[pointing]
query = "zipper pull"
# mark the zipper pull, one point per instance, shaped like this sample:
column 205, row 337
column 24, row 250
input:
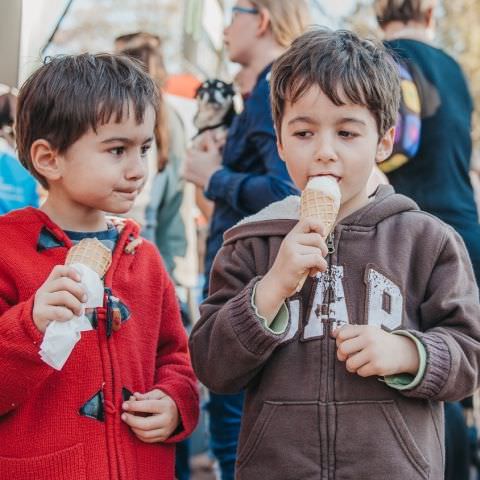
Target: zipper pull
column 331, row 243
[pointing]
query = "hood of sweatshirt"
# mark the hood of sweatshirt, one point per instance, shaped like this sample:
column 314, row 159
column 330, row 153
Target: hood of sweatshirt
column 279, row 217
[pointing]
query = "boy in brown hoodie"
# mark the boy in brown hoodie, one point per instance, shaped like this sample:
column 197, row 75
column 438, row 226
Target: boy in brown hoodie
column 344, row 379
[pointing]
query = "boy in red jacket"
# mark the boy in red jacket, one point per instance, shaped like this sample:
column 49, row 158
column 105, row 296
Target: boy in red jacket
column 126, row 393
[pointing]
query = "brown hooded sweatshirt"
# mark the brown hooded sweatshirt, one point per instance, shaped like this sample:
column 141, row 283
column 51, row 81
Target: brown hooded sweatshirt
column 305, row 416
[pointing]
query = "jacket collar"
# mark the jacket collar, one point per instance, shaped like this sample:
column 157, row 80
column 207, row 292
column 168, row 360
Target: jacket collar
column 279, row 218
column 52, row 236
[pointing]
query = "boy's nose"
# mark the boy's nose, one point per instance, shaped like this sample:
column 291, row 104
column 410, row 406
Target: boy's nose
column 325, row 152
column 137, row 168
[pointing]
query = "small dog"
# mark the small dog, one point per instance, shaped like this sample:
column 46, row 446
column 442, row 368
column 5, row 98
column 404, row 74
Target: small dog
column 216, row 109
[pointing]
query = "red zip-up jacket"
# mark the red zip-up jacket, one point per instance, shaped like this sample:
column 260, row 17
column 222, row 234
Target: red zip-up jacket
column 66, row 424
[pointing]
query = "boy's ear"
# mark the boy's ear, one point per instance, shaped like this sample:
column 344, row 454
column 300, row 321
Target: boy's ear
column 45, row 159
column 264, row 24
column 279, row 144
column 385, row 145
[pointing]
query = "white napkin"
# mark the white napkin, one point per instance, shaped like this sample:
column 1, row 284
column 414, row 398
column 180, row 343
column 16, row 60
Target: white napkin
column 61, row 337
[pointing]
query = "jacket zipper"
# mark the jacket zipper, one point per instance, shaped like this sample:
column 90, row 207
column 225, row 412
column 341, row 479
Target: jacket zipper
column 331, row 292
column 331, row 243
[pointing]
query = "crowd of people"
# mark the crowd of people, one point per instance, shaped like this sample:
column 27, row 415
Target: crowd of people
column 366, row 370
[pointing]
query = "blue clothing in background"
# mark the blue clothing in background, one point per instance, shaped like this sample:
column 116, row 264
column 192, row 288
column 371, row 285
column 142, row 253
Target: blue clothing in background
column 252, row 174
column 18, row 188
column 437, row 176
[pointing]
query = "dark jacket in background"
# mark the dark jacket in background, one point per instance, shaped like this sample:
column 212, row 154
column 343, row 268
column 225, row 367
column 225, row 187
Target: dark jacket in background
column 252, row 174
column 437, row 177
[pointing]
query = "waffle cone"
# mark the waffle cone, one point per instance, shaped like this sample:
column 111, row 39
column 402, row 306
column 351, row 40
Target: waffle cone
column 322, row 205
column 92, row 253
column 315, row 203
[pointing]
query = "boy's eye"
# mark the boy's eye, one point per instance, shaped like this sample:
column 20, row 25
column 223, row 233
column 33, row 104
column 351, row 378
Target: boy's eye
column 347, row 134
column 144, row 150
column 118, row 151
column 303, row 134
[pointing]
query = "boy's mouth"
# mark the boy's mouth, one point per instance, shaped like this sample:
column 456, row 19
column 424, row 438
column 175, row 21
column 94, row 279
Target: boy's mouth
column 129, row 194
column 335, row 177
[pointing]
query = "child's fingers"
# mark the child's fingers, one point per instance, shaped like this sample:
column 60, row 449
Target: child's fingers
column 64, row 271
column 69, row 285
column 144, row 406
column 367, row 370
column 309, row 224
column 313, row 240
column 349, row 347
column 144, row 423
column 308, row 250
column 313, row 261
column 58, row 314
column 134, row 421
column 151, row 436
column 155, row 394
column 341, row 356
column 346, row 332
column 357, row 361
column 65, row 299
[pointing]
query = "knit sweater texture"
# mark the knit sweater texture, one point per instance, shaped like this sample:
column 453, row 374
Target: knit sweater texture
column 47, row 428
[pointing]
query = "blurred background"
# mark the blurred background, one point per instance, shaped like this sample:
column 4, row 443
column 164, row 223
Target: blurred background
column 191, row 33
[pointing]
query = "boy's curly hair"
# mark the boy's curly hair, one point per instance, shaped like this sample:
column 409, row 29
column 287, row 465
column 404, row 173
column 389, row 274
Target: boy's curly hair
column 346, row 67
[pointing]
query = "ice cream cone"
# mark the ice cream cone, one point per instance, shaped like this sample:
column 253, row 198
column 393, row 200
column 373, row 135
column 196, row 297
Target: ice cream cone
column 320, row 199
column 92, row 253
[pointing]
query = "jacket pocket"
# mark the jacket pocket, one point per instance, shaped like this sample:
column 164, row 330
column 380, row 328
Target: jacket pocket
column 283, row 444
column 374, row 442
column 64, row 464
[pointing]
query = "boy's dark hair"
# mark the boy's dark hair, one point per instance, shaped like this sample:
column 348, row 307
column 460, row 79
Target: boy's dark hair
column 70, row 94
column 401, row 10
column 344, row 66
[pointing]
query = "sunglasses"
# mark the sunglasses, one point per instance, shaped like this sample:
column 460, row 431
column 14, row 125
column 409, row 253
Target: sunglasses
column 237, row 10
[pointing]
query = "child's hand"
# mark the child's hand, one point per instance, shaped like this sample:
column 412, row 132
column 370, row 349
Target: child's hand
column 162, row 420
column 59, row 298
column 302, row 250
column 369, row 350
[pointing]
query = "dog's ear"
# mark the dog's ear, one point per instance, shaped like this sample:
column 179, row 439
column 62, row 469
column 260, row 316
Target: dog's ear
column 229, row 90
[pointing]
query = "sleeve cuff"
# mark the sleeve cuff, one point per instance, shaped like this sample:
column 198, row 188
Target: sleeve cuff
column 280, row 322
column 216, row 185
column 405, row 381
column 247, row 327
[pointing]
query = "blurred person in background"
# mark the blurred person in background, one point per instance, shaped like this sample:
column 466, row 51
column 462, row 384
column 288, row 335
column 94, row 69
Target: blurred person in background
column 158, row 208
column 436, row 175
column 247, row 174
column 165, row 206
column 17, row 187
